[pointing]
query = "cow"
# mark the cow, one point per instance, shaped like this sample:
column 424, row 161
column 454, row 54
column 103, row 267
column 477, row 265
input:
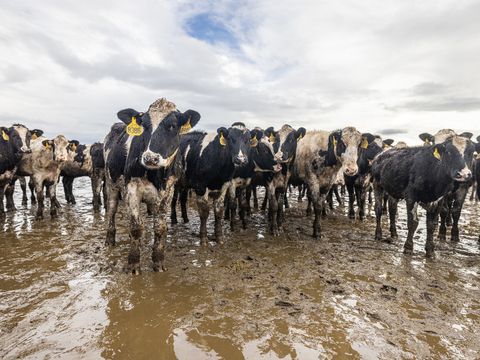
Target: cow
column 44, row 165
column 142, row 163
column 358, row 186
column 14, row 144
column 209, row 162
column 319, row 157
column 453, row 201
column 261, row 164
column 284, row 142
column 421, row 175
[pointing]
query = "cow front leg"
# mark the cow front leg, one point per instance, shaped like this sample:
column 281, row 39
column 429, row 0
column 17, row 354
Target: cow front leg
column 2, row 208
column 248, row 196
column 392, row 211
column 432, row 222
column 183, row 204
column 412, row 223
column 9, row 190
column 173, row 207
column 134, row 199
column 96, row 190
column 272, row 212
column 362, row 199
column 285, row 199
column 318, row 201
column 351, row 201
column 218, row 214
column 23, row 186
column 309, row 203
column 112, row 207
column 203, row 212
column 38, row 184
column 378, row 193
column 160, row 236
column 280, row 211
column 442, row 232
column 31, row 186
column 255, row 198
column 265, row 199
column 244, row 207
column 231, row 206
column 459, row 200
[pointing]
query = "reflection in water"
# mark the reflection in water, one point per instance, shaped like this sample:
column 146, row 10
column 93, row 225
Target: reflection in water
column 257, row 297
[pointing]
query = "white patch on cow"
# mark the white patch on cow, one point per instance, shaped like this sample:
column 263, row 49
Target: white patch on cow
column 379, row 142
column 443, row 135
column 22, row 132
column 239, row 127
column 207, row 139
column 352, row 138
column 401, row 145
column 460, row 143
column 158, row 110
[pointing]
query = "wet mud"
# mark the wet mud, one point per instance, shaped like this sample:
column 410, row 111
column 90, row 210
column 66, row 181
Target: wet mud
column 63, row 293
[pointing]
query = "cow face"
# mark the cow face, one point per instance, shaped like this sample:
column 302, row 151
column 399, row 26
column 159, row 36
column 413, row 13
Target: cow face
column 370, row 147
column 62, row 149
column 285, row 142
column 160, row 129
column 455, row 154
column 19, row 138
column 263, row 154
column 343, row 146
column 237, row 141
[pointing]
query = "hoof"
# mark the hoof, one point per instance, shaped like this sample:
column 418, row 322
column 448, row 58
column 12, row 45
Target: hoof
column 39, row 217
column 133, row 269
column 174, row 222
column 408, row 251
column 159, row 267
column 110, row 240
column 351, row 216
column 430, row 254
column 186, row 221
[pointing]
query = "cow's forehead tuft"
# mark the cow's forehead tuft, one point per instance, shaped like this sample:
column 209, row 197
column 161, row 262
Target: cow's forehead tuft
column 443, row 135
column 460, row 143
column 351, row 134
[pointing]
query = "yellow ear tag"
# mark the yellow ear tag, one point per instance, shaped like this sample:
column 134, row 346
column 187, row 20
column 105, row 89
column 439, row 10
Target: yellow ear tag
column 186, row 127
column 364, row 143
column 253, row 141
column 223, row 142
column 300, row 137
column 427, row 142
column 437, row 154
column 5, row 136
column 133, row 129
column 34, row 136
column 271, row 138
column 47, row 146
column 334, row 142
column 74, row 147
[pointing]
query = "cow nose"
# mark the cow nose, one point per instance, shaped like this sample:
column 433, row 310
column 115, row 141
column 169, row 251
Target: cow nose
column 351, row 170
column 463, row 175
column 240, row 160
column 151, row 159
column 25, row 150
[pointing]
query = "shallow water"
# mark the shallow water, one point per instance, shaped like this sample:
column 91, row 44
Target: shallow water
column 63, row 293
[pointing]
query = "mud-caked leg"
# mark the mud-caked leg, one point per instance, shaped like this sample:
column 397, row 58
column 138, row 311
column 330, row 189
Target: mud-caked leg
column 53, row 200
column 244, row 207
column 432, row 223
column 173, row 207
column 2, row 209
column 280, row 211
column 203, row 212
column 38, row 183
column 392, row 211
column 442, row 231
column 351, row 201
column 134, row 198
column 318, row 203
column 31, row 186
column 459, row 199
column 378, row 193
column 183, row 204
column 272, row 212
column 412, row 223
column 23, row 186
column 9, row 190
column 218, row 214
column 112, row 206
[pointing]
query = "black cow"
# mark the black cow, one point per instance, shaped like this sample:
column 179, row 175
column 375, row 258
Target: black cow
column 358, row 185
column 420, row 175
column 14, row 143
column 141, row 160
column 284, row 144
column 209, row 161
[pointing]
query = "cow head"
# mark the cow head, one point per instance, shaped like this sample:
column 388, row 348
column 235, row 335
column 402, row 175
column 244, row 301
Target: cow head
column 285, row 142
column 19, row 137
column 343, row 146
column 262, row 152
column 370, row 147
column 387, row 143
column 236, row 141
column 61, row 149
column 427, row 139
column 80, row 153
column 160, row 129
column 455, row 154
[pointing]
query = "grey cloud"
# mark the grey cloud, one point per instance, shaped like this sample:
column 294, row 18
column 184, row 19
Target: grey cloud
column 393, row 131
column 448, row 104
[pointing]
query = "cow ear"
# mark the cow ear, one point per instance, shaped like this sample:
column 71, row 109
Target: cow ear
column 271, row 134
column 388, row 142
column 127, row 116
column 466, row 134
column 187, row 120
column 300, row 133
column 427, row 138
column 477, row 147
column 367, row 138
column 48, row 144
column 222, row 136
column 478, row 138
column 438, row 151
column 254, row 136
column 5, row 133
column 36, row 133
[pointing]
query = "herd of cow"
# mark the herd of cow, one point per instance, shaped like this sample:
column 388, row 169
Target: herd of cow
column 152, row 157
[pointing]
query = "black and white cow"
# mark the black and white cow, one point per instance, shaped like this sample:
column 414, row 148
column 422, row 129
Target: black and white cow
column 453, row 201
column 14, row 144
column 44, row 165
column 142, row 161
column 260, row 163
column 284, row 143
column 358, row 186
column 420, row 175
column 209, row 161
column 320, row 156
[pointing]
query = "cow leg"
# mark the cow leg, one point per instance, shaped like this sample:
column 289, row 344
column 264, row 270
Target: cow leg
column 330, row 199
column 351, row 201
column 385, row 202
column 112, row 207
column 392, row 211
column 96, row 190
column 244, row 207
column 203, row 211
column 432, row 222
column 248, row 196
column 359, row 195
column 285, row 198
column 459, row 199
column 265, row 199
column 379, row 196
column 2, row 209
column 272, row 211
column 66, row 188
column 23, row 186
column 105, row 194
column 318, row 203
column 442, row 232
column 134, row 199
column 337, row 195
column 9, row 190
column 218, row 204
column 232, row 205
column 472, row 194
column 412, row 223
column 183, row 204
column 342, row 190
column 173, row 207
column 280, row 213
column 309, row 203
column 31, row 186
column 227, row 206
column 38, row 184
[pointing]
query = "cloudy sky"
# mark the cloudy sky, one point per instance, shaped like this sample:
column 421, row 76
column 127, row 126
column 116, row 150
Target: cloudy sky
column 391, row 67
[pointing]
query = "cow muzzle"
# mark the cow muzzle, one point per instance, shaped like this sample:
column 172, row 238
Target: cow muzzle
column 154, row 161
column 464, row 175
column 240, row 160
column 25, row 150
column 351, row 170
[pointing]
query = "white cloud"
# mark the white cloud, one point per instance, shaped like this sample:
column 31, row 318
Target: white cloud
column 69, row 66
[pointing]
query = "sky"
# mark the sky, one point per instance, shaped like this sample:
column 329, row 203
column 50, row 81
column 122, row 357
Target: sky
column 388, row 67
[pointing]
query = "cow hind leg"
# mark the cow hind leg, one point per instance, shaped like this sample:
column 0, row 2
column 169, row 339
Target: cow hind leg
column 31, row 186
column 318, row 204
column 183, row 204
column 112, row 207
column 173, row 207
column 2, row 209
column 203, row 212
column 23, row 186
column 351, row 202
column 432, row 222
column 134, row 199
column 442, row 232
column 392, row 211
column 379, row 196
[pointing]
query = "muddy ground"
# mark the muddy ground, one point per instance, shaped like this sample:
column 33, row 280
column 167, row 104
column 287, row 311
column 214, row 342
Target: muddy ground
column 63, row 293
